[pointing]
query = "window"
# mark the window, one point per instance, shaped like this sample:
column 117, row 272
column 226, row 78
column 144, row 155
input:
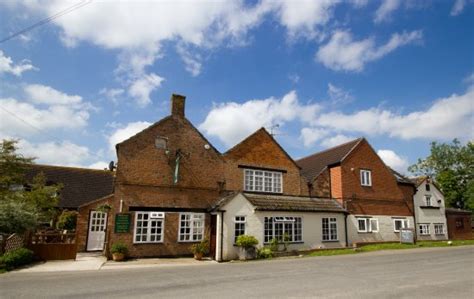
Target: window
column 329, row 229
column 459, row 223
column 239, row 227
column 439, row 228
column 148, row 227
column 279, row 227
column 398, row 224
column 262, row 181
column 424, row 228
column 428, row 200
column 191, row 227
column 366, row 178
column 427, row 187
column 367, row 225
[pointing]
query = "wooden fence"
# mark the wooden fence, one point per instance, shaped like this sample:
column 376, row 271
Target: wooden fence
column 53, row 245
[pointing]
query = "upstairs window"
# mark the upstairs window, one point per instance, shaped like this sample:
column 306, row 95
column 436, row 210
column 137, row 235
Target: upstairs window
column 365, row 177
column 427, row 187
column 262, row 181
column 428, row 200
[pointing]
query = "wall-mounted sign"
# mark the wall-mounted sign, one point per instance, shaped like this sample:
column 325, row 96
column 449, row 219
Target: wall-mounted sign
column 122, row 223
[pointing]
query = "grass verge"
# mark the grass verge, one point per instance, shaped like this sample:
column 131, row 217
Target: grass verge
column 391, row 246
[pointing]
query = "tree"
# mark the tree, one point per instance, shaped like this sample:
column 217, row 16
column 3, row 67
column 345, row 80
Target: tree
column 22, row 203
column 452, row 167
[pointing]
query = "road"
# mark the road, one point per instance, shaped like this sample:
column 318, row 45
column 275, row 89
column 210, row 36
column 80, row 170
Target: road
column 418, row 273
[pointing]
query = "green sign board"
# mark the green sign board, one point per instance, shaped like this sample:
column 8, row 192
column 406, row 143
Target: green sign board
column 122, row 223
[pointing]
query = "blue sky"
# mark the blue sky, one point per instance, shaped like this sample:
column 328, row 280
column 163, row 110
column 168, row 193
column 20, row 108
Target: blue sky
column 400, row 73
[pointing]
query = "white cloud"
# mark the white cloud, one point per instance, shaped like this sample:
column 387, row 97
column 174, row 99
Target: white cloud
column 344, row 53
column 338, row 96
column 295, row 78
column 385, row 9
column 112, row 94
column 7, row 65
column 311, row 135
column 125, row 132
column 446, row 118
column 231, row 121
column 458, row 7
column 41, row 94
column 65, row 153
column 99, row 165
column 336, row 140
column 141, row 88
column 393, row 160
column 192, row 62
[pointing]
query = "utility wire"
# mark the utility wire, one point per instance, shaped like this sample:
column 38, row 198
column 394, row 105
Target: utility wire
column 47, row 20
column 58, row 140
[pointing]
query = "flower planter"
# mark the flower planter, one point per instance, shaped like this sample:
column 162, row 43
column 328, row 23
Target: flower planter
column 118, row 257
column 198, row 256
column 247, row 253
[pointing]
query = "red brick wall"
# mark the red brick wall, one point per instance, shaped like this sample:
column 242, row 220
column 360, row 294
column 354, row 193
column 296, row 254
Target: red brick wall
column 459, row 233
column 260, row 150
column 336, row 183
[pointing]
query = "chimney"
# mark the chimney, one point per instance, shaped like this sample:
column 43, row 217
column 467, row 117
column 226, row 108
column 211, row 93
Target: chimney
column 177, row 105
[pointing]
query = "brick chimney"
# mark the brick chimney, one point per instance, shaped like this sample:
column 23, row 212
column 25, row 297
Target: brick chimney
column 177, row 105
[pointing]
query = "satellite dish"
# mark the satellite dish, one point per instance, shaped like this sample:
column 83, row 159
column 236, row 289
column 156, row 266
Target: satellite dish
column 161, row 142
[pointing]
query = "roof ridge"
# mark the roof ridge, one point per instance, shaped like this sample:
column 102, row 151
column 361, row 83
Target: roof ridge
column 71, row 167
column 329, row 149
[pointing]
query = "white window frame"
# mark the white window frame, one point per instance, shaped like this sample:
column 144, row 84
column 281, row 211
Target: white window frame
column 424, row 229
column 428, row 202
column 365, row 177
column 330, row 236
column 194, row 229
column 437, row 232
column 239, row 220
column 283, row 220
column 148, row 228
column 405, row 224
column 368, row 223
column 257, row 180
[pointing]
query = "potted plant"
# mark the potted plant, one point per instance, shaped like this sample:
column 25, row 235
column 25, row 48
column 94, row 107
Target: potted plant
column 200, row 249
column 119, row 251
column 247, row 247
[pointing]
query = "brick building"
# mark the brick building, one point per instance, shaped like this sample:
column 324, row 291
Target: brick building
column 354, row 175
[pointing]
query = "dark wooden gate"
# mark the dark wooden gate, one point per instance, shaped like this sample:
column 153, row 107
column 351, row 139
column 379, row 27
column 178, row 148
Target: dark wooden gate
column 54, row 246
column 212, row 249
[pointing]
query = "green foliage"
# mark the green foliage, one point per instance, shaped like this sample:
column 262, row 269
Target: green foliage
column 119, row 248
column 13, row 165
column 286, row 241
column 104, row 208
column 16, row 258
column 17, row 216
column 246, row 241
column 264, row 253
column 452, row 167
column 274, row 244
column 67, row 220
column 44, row 198
column 200, row 248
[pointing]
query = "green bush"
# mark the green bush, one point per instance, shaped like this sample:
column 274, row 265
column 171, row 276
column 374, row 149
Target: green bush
column 119, row 248
column 67, row 220
column 274, row 244
column 16, row 258
column 246, row 241
column 264, row 253
column 201, row 247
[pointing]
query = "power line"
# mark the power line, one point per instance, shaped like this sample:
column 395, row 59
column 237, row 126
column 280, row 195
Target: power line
column 47, row 20
column 58, row 140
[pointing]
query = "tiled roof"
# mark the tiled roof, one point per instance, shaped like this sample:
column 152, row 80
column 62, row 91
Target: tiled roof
column 265, row 202
column 457, row 211
column 80, row 185
column 401, row 178
column 311, row 166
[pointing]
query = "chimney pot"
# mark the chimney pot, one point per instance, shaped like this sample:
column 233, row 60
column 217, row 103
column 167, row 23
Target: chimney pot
column 177, row 105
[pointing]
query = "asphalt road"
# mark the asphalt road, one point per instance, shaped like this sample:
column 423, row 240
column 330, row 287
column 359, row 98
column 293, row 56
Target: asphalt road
column 419, row 273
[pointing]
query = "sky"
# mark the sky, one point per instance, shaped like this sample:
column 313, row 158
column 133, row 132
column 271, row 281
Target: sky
column 315, row 73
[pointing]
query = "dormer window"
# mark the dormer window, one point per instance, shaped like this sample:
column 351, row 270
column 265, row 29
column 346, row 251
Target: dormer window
column 365, row 177
column 262, row 181
column 427, row 187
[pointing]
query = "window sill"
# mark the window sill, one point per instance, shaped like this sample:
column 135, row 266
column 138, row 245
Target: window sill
column 263, row 192
column 330, row 241
column 367, row 232
column 298, row 242
column 190, row 241
column 429, row 207
column 148, row 243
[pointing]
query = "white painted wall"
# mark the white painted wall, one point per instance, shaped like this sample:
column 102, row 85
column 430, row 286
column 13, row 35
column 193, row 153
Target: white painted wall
column 311, row 227
column 385, row 233
column 430, row 216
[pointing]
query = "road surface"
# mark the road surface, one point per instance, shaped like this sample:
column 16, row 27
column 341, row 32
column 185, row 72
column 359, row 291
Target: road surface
column 418, row 273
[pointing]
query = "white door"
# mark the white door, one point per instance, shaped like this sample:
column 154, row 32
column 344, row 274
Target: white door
column 96, row 236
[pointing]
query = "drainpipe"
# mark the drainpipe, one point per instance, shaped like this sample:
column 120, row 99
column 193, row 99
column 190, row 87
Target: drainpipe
column 345, row 229
column 222, row 236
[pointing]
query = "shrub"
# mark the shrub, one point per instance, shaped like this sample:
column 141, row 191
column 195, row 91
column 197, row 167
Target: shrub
column 119, row 248
column 201, row 247
column 67, row 220
column 246, row 241
column 274, row 244
column 264, row 253
column 16, row 258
